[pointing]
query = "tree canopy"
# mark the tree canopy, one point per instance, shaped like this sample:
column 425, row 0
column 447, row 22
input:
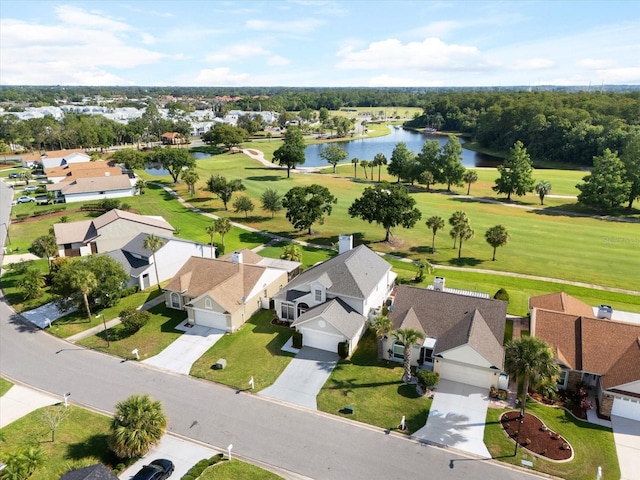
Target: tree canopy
column 138, row 424
column 227, row 135
column 173, row 159
column 131, row 158
column 291, row 153
column 515, row 173
column 606, row 186
column 223, row 188
column 333, row 154
column 388, row 205
column 308, row 205
column 496, row 236
column 271, row 201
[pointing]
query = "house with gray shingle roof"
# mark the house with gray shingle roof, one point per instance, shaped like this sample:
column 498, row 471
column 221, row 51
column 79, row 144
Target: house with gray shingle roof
column 93, row 472
column 463, row 333
column 330, row 302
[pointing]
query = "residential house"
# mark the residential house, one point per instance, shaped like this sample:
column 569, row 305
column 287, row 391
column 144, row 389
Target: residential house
column 73, row 171
column 172, row 138
column 55, row 158
column 110, row 231
column 88, row 189
column 593, row 350
column 222, row 294
column 137, row 260
column 94, row 472
column 329, row 303
column 463, row 332
column 252, row 258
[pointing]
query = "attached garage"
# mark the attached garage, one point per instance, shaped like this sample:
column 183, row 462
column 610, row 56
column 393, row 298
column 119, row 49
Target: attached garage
column 211, row 319
column 321, row 340
column 479, row 377
column 626, row 407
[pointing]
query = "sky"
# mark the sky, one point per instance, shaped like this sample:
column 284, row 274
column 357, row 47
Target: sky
column 316, row 43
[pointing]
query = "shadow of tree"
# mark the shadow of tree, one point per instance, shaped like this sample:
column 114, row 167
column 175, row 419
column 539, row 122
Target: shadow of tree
column 465, row 262
column 443, row 429
column 94, row 446
column 265, row 178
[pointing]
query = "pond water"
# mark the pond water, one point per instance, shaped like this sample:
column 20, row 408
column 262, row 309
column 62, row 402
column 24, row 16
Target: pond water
column 367, row 148
column 156, row 168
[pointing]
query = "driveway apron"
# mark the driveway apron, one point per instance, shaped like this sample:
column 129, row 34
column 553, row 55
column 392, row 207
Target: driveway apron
column 303, row 378
column 626, row 435
column 457, row 418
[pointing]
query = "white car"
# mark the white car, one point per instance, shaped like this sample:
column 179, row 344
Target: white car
column 25, row 199
column 31, row 188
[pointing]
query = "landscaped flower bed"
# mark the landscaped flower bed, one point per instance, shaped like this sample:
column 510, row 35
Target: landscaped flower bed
column 533, row 435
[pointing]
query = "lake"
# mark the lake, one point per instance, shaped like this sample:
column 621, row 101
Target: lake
column 367, row 148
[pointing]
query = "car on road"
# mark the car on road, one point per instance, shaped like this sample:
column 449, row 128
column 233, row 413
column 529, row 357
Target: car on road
column 25, row 199
column 31, row 188
column 159, row 469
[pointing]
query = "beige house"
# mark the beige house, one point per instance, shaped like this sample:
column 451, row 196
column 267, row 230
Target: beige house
column 88, row 189
column 73, row 171
column 110, row 231
column 223, row 294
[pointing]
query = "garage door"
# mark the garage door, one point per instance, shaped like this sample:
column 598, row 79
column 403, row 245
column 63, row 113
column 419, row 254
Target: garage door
column 626, row 408
column 466, row 374
column 320, row 340
column 211, row 320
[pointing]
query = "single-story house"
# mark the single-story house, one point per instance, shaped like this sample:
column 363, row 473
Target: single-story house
column 172, row 138
column 94, row 188
column 55, row 158
column 73, row 171
column 222, row 294
column 463, row 332
column 137, row 261
column 330, row 303
column 594, row 350
column 110, row 231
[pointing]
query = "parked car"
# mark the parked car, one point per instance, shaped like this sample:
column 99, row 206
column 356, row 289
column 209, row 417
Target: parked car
column 159, row 469
column 14, row 175
column 31, row 188
column 25, row 199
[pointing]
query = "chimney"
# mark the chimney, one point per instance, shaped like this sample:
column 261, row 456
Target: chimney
column 345, row 243
column 236, row 257
column 605, row 311
column 438, row 284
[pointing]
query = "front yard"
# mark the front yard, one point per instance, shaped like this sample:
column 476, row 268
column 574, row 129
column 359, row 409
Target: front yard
column 593, row 445
column 374, row 389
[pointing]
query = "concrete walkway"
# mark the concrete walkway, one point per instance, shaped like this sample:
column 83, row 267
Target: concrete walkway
column 303, row 378
column 20, row 401
column 180, row 356
column 457, row 418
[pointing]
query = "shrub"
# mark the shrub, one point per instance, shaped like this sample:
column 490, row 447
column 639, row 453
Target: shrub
column 109, row 204
column 216, row 458
column 297, row 340
column 502, row 294
column 343, row 349
column 125, row 292
column 427, row 378
column 133, row 319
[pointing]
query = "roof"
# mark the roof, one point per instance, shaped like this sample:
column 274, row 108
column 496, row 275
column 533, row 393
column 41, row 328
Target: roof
column 227, row 283
column 252, row 258
column 51, row 154
column 115, row 214
column 354, row 273
column 561, row 302
column 64, row 170
column 601, row 346
column 92, row 184
column 337, row 314
column 136, row 245
column 94, row 472
column 133, row 266
column 454, row 320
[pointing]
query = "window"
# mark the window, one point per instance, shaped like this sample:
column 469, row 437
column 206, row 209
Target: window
column 562, row 379
column 427, row 354
column 208, row 304
column 287, row 311
column 398, row 351
column 175, row 300
column 318, row 295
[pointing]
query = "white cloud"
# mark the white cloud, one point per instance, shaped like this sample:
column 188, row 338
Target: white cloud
column 431, row 54
column 148, row 39
column 306, row 25
column 595, row 63
column 76, row 16
column 221, row 77
column 236, row 53
column 534, row 64
column 278, row 61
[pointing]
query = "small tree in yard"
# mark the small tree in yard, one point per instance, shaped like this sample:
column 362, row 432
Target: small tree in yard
column 502, row 294
column 497, row 236
column 45, row 246
column 427, row 379
column 32, row 283
column 52, row 417
column 138, row 424
column 407, row 337
column 133, row 319
column 542, row 189
column 292, row 253
column 243, row 204
column 382, row 326
column 154, row 243
column 211, row 231
column 222, row 226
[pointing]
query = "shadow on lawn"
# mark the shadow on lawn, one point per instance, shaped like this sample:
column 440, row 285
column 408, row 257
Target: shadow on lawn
column 95, row 446
column 265, row 178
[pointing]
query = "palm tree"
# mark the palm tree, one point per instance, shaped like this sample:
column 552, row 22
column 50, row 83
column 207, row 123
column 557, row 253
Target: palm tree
column 138, row 424
column 465, row 232
column 380, row 159
column 496, row 236
column 190, row 177
column 292, row 253
column 83, row 280
column 469, row 177
column 542, row 189
column 407, row 337
column 154, row 243
column 531, row 359
column 211, row 231
column 364, row 164
column 382, row 326
column 140, row 184
column 222, row 226
column 355, row 162
column 458, row 217
column 435, row 223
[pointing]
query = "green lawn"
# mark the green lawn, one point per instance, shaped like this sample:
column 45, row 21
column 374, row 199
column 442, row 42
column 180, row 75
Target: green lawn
column 593, row 445
column 150, row 340
column 82, row 434
column 13, row 295
column 265, row 363
column 235, row 469
column 5, row 385
column 374, row 389
column 310, row 255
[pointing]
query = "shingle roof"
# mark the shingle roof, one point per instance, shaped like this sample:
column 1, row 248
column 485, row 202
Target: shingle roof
column 115, row 214
column 452, row 319
column 352, row 274
column 337, row 314
column 561, row 302
column 132, row 266
column 92, row 184
column 94, row 472
column 252, row 258
column 136, row 245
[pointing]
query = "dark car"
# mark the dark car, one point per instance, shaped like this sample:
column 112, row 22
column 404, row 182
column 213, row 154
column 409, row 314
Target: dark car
column 157, row 470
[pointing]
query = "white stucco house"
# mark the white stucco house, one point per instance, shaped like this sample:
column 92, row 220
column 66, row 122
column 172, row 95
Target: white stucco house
column 463, row 331
column 91, row 189
column 137, row 261
column 330, row 303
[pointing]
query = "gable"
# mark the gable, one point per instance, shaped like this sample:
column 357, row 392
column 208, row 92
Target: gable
column 469, row 355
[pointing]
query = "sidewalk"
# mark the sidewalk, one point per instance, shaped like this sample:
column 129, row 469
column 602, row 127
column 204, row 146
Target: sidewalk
column 20, row 401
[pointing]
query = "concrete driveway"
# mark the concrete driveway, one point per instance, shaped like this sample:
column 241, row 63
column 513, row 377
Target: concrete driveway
column 46, row 314
column 303, row 378
column 457, row 417
column 626, row 435
column 186, row 349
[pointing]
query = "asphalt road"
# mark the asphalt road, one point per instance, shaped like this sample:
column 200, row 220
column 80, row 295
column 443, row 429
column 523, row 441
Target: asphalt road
column 311, row 444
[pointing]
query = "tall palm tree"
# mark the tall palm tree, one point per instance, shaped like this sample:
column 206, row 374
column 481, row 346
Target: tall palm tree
column 138, row 424
column 469, row 177
column 407, row 337
column 154, row 243
column 83, row 280
column 365, row 164
column 382, row 326
column 211, row 231
column 496, row 236
column 355, row 162
column 435, row 223
column 531, row 359
column 542, row 189
column 222, row 226
column 458, row 217
column 465, row 232
column 380, row 159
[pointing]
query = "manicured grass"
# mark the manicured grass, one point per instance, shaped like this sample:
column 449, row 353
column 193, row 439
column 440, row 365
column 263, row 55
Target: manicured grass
column 235, row 469
column 76, row 322
column 508, row 331
column 375, row 390
column 593, row 445
column 310, row 255
column 150, row 340
column 13, row 294
column 82, row 434
column 5, row 385
column 265, row 363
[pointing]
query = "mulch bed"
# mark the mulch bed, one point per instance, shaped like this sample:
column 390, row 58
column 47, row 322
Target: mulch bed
column 534, row 437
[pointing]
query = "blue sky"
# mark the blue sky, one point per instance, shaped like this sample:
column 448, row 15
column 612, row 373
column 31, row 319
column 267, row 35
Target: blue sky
column 294, row 43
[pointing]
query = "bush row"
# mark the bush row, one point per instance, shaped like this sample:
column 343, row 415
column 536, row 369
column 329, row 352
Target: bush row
column 195, row 471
